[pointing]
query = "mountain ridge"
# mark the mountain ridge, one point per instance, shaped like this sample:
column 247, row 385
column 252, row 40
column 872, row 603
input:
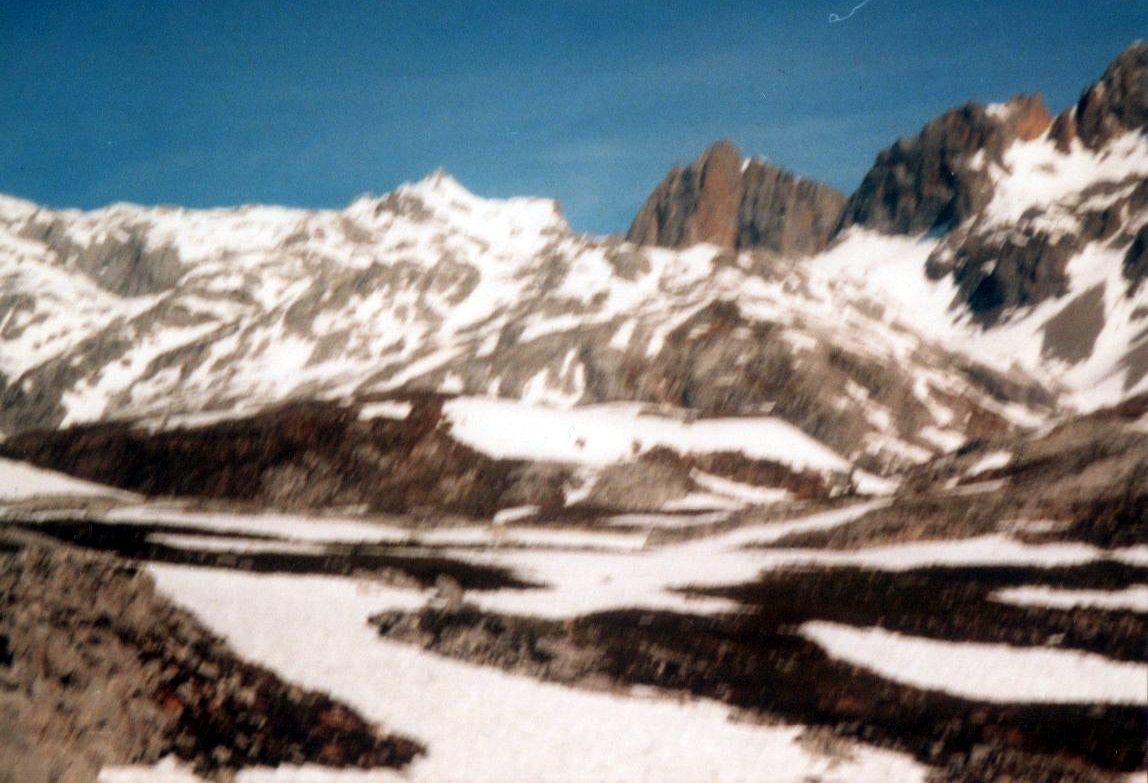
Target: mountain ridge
column 737, row 203
column 887, row 348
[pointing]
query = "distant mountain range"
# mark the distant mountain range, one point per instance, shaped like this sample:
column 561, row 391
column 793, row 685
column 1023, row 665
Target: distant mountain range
column 986, row 277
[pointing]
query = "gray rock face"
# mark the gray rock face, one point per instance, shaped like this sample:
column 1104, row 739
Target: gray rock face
column 722, row 199
column 122, row 262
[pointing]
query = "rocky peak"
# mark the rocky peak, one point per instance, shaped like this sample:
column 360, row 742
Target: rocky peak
column 1113, row 106
column 723, row 199
column 936, row 179
column 438, row 185
column 1007, row 248
column 1025, row 116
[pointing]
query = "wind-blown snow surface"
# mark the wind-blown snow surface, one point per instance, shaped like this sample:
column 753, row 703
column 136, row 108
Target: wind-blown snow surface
column 482, row 724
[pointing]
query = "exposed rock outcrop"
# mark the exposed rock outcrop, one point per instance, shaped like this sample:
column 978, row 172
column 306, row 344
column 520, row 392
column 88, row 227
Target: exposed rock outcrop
column 1136, row 260
column 300, row 455
column 123, row 263
column 726, row 200
column 1114, row 105
column 96, row 669
column 944, row 179
column 995, row 275
column 931, row 181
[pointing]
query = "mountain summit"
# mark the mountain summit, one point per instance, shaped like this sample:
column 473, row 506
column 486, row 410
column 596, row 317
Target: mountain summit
column 936, row 179
column 738, row 203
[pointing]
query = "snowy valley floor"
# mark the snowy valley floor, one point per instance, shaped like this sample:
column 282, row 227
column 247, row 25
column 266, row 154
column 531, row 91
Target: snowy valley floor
column 542, row 653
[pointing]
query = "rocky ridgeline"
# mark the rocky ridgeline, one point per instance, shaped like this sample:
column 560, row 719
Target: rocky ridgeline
column 96, row 669
column 927, row 182
column 941, row 181
column 1116, row 104
column 728, row 201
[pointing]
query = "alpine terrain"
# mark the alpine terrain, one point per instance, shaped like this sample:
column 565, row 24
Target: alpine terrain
column 786, row 485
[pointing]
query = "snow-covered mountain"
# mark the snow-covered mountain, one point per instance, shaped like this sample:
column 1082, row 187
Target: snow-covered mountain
column 986, row 276
column 153, row 313
column 1037, row 232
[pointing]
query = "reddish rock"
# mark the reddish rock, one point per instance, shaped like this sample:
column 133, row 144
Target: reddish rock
column 1028, row 117
column 725, row 200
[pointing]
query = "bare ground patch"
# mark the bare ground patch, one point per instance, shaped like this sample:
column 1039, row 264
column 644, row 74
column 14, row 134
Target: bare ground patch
column 96, row 669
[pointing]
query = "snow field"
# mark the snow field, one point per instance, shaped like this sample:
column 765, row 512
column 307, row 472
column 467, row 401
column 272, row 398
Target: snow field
column 585, row 582
column 303, row 534
column 312, row 630
column 482, row 724
column 603, row 434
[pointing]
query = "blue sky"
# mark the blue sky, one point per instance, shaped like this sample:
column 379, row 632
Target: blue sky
column 220, row 102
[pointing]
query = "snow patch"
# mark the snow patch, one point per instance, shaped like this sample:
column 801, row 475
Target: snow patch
column 604, row 434
column 21, row 481
column 985, row 672
column 385, row 409
column 746, row 493
column 993, row 461
column 1133, row 599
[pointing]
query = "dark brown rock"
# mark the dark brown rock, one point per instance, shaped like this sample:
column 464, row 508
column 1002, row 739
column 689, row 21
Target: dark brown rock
column 1113, row 106
column 1136, row 261
column 722, row 199
column 101, row 670
column 298, row 455
column 929, row 182
column 996, row 274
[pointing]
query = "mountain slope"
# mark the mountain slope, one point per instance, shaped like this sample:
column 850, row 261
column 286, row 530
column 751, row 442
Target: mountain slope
column 157, row 313
column 1035, row 231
